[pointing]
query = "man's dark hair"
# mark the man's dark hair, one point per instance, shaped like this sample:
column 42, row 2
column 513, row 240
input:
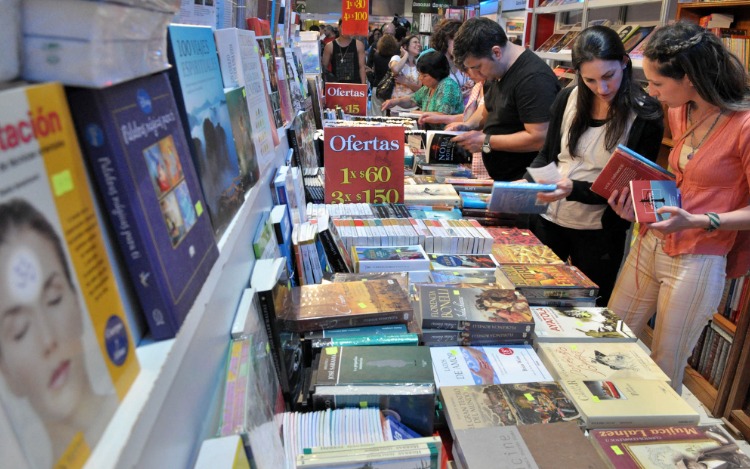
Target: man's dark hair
column 434, row 64
column 476, row 38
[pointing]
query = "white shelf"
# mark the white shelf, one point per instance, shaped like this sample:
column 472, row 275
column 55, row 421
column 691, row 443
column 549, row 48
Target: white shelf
column 166, row 413
column 559, row 56
column 617, row 3
column 559, row 8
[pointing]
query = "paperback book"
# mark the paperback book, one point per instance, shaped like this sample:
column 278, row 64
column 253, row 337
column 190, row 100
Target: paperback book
column 547, row 280
column 446, row 338
column 468, row 366
column 624, row 166
column 441, row 150
column 431, row 194
column 389, row 258
column 518, row 236
column 454, row 262
column 512, row 197
column 463, row 276
column 627, row 403
column 650, row 196
column 151, row 192
column 579, row 325
column 242, row 132
column 524, row 254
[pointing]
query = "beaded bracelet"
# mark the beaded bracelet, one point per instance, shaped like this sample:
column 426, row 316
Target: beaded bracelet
column 713, row 221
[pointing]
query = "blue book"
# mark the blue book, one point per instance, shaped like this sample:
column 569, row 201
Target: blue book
column 512, row 197
column 199, row 91
column 474, row 199
column 135, row 145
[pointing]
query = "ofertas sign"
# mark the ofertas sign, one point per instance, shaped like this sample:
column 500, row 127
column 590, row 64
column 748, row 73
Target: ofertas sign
column 364, row 165
column 354, row 17
column 352, row 97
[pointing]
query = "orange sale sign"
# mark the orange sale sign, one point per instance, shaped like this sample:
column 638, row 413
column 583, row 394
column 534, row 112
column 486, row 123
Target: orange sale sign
column 354, row 17
column 352, row 97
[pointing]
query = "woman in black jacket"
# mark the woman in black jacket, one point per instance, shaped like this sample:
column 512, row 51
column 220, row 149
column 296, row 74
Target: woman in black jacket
column 377, row 61
column 588, row 121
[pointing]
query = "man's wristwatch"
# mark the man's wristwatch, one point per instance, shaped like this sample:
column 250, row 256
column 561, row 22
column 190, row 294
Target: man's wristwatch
column 486, row 146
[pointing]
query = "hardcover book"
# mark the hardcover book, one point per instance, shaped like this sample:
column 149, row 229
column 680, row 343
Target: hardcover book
column 431, row 194
column 68, row 357
column 518, row 197
column 547, row 280
column 497, row 405
column 336, row 253
column 151, row 193
column 627, row 403
column 453, row 262
column 473, row 276
column 669, row 446
column 346, row 304
column 199, row 92
column 624, row 166
column 267, row 52
column 649, row 196
column 604, row 360
column 446, row 338
column 503, row 235
column 579, row 325
column 524, row 254
column 441, row 150
column 462, row 366
column 242, row 132
column 480, row 308
column 639, row 35
column 389, row 258
column 477, row 200
column 551, row 41
column 637, row 52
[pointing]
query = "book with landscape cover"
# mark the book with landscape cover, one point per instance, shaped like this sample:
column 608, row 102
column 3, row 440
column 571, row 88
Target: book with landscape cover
column 627, row 403
column 547, row 280
column 669, row 446
column 579, row 325
column 468, row 366
column 599, row 360
column 199, row 92
column 506, row 404
column 346, row 304
column 396, row 378
column 149, row 187
column 389, row 258
column 441, row 150
column 553, row 446
column 649, row 196
column 480, row 308
column 518, row 197
column 456, row 262
column 242, row 132
column 524, row 254
column 624, row 166
column 64, row 321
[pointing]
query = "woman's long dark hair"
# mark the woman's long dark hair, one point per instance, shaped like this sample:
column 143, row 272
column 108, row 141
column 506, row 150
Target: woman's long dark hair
column 603, row 43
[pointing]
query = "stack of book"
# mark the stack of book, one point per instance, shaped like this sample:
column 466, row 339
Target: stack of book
column 549, row 284
column 472, row 366
column 579, row 325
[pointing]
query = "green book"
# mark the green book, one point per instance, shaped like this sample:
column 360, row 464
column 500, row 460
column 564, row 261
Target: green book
column 374, row 366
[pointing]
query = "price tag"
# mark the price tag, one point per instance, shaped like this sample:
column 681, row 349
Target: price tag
column 354, row 17
column 364, row 165
column 352, row 97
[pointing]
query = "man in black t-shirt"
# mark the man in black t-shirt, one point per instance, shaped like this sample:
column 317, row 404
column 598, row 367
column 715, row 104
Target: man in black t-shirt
column 510, row 128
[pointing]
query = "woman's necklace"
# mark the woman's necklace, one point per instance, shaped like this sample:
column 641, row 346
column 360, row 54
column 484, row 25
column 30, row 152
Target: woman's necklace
column 705, row 136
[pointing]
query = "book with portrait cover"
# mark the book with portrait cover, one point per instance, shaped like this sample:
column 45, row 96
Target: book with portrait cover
column 579, row 325
column 518, row 197
column 480, row 308
column 599, row 360
column 134, row 144
column 627, row 403
column 63, row 323
column 524, row 254
column 624, row 166
column 649, row 196
column 346, row 304
column 686, row 445
column 497, row 405
column 441, row 150
column 199, row 92
column 547, row 280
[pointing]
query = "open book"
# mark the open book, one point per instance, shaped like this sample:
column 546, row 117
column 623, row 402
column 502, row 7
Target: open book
column 624, row 166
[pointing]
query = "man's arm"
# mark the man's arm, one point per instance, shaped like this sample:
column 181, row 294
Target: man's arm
column 361, row 58
column 326, row 59
column 531, row 138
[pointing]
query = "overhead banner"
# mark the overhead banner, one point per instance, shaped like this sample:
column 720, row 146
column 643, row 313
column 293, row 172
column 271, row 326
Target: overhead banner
column 423, row 6
column 351, row 97
column 355, row 19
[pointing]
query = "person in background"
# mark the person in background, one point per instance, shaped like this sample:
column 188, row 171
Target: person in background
column 509, row 129
column 372, row 40
column 386, row 48
column 389, row 28
column 439, row 92
column 404, row 68
column 442, row 40
column 588, row 121
column 346, row 57
column 678, row 266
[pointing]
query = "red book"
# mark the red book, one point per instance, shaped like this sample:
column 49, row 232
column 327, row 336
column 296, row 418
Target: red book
column 649, row 196
column 624, row 166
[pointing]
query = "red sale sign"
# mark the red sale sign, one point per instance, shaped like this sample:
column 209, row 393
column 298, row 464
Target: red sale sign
column 364, row 165
column 354, row 17
column 352, row 97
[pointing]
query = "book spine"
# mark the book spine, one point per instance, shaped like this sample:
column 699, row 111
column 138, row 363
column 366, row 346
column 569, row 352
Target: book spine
column 553, row 293
column 111, row 176
column 268, row 313
column 378, row 339
column 358, row 320
column 335, row 258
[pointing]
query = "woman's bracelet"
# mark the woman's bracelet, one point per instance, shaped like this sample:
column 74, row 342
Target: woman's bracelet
column 714, row 222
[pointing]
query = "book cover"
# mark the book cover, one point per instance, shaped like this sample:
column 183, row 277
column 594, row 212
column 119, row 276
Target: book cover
column 649, row 196
column 524, row 254
column 462, row 366
column 338, row 257
column 552, row 446
column 520, row 197
column 625, row 31
column 504, row 235
column 267, row 52
column 446, row 338
column 463, row 276
column 301, row 137
column 287, row 109
column 564, row 41
column 346, row 304
column 551, row 41
column 547, row 280
column 136, row 148
column 639, row 35
column 479, row 200
column 454, row 262
column 239, row 117
column 626, row 403
column 198, row 88
column 431, row 194
column 669, row 446
column 637, row 51
column 401, row 277
column 389, row 258
column 624, row 166
column 441, row 150
column 497, row 405
column 480, row 308
column 603, row 360
column 579, row 325
column 68, row 357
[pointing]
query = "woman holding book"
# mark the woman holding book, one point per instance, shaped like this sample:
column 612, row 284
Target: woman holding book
column 678, row 266
column 588, row 121
column 439, row 92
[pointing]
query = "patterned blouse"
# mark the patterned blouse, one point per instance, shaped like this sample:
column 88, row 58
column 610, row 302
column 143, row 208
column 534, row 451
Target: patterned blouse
column 446, row 99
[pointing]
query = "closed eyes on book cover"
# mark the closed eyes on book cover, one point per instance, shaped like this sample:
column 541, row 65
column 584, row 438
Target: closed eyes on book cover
column 135, row 145
column 67, row 356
